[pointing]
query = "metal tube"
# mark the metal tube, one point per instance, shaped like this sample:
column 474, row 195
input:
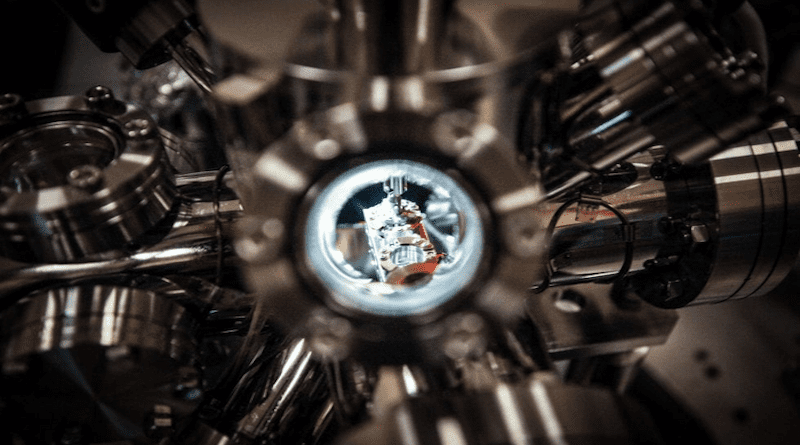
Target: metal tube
column 191, row 245
column 296, row 367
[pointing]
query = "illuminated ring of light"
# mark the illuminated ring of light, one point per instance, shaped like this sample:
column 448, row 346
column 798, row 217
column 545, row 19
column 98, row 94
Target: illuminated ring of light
column 379, row 298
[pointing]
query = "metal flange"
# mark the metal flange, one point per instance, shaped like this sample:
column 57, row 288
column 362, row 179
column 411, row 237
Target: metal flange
column 80, row 176
column 302, row 192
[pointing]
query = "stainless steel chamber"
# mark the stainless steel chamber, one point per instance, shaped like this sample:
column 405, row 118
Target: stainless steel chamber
column 357, row 221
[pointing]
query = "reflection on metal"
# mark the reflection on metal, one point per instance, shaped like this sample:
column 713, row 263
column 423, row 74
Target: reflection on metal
column 539, row 409
column 69, row 352
column 395, row 230
column 601, row 326
column 293, row 372
column 325, row 222
column 81, row 176
column 649, row 71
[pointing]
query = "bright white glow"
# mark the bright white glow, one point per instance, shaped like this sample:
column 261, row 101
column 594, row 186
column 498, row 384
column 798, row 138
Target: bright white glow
column 110, row 329
column 547, row 413
column 742, row 151
column 413, row 92
column 136, row 158
column 354, row 289
column 761, row 149
column 239, row 88
column 409, row 381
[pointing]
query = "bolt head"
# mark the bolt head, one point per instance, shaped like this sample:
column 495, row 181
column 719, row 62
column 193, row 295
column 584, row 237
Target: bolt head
column 523, row 235
column 139, row 128
column 699, row 233
column 330, row 335
column 87, row 177
column 259, row 240
column 453, row 131
column 466, row 336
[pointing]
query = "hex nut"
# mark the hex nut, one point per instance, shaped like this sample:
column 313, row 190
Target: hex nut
column 138, row 128
column 87, row 177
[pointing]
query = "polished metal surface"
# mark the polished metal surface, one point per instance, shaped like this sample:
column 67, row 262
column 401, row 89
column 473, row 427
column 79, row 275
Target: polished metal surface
column 540, row 409
column 588, row 241
column 283, row 174
column 296, row 372
column 584, row 320
column 183, row 113
column 374, row 264
column 68, row 355
column 108, row 315
column 665, row 80
column 755, row 179
column 192, row 241
column 81, row 176
column 143, row 40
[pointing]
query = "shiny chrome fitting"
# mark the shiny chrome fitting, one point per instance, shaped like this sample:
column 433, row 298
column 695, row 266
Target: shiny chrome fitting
column 80, row 176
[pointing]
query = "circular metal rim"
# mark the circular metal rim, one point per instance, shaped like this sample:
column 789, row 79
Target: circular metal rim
column 131, row 311
column 410, row 301
column 286, row 173
column 136, row 191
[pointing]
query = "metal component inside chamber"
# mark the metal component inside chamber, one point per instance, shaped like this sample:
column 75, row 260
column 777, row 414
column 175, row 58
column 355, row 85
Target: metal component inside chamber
column 403, row 259
column 360, row 222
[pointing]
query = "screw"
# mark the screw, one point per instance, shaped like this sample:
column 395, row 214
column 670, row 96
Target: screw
column 101, row 98
column 98, row 94
column 330, row 335
column 523, row 235
column 138, row 128
column 87, row 177
column 569, row 301
column 453, row 131
column 466, row 336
